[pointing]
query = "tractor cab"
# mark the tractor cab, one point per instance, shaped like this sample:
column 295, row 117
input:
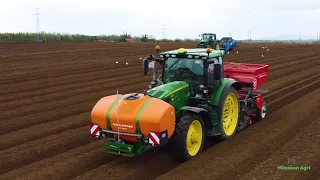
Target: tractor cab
column 201, row 69
column 208, row 37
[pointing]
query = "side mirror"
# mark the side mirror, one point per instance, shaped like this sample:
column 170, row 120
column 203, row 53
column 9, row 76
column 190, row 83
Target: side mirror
column 145, row 66
column 217, row 72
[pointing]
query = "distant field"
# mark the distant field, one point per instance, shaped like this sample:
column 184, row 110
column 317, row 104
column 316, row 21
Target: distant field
column 47, row 91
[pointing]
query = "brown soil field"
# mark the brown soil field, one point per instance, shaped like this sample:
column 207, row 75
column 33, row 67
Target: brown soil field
column 47, row 91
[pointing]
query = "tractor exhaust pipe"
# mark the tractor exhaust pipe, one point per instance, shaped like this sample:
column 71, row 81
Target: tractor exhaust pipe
column 152, row 65
column 150, row 62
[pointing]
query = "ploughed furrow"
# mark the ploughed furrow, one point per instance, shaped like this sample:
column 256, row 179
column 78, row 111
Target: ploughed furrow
column 289, row 87
column 277, row 61
column 251, row 147
column 53, row 82
column 147, row 166
column 67, row 84
column 94, row 58
column 32, row 151
column 238, row 56
column 9, row 100
column 58, row 52
column 79, row 48
column 17, row 123
column 284, row 58
column 67, row 70
column 248, row 54
column 51, row 127
column 276, row 74
column 301, row 149
column 86, row 53
column 63, row 71
column 293, row 95
column 22, row 154
column 85, row 59
column 17, row 47
column 61, row 95
column 287, row 80
column 293, row 63
column 83, row 158
column 42, row 130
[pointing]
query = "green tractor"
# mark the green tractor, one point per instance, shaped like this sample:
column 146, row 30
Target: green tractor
column 197, row 95
column 209, row 40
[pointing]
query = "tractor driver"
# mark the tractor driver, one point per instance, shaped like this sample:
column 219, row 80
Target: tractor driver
column 190, row 71
column 196, row 67
column 196, row 71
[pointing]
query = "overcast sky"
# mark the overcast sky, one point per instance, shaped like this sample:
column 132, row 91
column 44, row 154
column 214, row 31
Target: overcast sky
column 182, row 18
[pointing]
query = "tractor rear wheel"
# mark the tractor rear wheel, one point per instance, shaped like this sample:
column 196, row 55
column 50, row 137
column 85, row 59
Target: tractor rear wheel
column 217, row 47
column 230, row 108
column 189, row 136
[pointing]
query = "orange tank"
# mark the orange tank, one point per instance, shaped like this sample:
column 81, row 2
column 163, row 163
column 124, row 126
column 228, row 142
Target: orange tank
column 141, row 113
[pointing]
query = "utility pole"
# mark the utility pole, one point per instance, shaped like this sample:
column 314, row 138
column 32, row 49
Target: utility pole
column 300, row 37
column 249, row 35
column 318, row 38
column 38, row 23
column 163, row 31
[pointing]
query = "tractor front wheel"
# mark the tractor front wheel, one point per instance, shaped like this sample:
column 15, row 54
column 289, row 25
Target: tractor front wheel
column 188, row 138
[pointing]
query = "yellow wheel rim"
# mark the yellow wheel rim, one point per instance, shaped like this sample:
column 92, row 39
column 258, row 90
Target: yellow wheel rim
column 194, row 138
column 217, row 46
column 230, row 114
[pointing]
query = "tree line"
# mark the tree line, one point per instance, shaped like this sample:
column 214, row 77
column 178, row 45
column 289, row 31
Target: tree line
column 60, row 37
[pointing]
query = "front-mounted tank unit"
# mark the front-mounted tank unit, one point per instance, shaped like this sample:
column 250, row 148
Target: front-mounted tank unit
column 196, row 95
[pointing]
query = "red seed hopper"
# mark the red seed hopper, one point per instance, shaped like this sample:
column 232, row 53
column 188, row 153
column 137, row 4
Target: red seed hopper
column 249, row 75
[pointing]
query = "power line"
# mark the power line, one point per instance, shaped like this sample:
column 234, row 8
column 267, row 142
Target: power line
column 37, row 22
